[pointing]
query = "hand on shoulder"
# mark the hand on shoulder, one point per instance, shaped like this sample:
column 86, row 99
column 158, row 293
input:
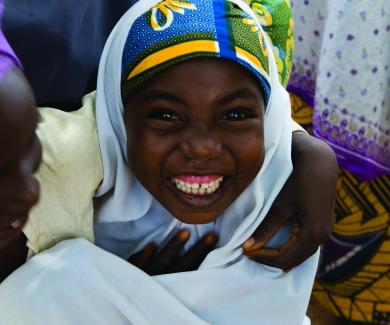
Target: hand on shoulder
column 306, row 202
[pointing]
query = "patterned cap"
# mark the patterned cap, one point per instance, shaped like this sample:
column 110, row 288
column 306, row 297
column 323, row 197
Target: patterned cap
column 176, row 31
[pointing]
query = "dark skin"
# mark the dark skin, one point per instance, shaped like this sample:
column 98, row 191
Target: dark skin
column 300, row 201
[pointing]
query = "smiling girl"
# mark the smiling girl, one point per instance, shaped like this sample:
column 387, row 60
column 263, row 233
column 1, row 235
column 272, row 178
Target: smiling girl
column 210, row 135
column 194, row 131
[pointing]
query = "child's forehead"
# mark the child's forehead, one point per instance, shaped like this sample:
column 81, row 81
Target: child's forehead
column 207, row 79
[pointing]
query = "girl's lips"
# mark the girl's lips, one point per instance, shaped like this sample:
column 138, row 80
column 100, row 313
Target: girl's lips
column 200, row 197
column 194, row 179
column 197, row 185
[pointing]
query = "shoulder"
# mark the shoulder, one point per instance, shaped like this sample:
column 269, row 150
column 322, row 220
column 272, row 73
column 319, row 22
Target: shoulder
column 69, row 139
column 69, row 175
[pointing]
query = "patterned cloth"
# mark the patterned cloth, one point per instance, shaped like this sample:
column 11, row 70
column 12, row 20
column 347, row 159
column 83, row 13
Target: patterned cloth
column 341, row 69
column 353, row 281
column 213, row 40
column 7, row 57
column 159, row 39
column 277, row 21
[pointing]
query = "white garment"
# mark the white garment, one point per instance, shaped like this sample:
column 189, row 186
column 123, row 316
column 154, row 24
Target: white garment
column 101, row 288
column 55, row 285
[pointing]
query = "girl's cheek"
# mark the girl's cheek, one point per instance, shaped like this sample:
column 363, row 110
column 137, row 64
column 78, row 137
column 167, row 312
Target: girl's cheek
column 249, row 146
column 148, row 152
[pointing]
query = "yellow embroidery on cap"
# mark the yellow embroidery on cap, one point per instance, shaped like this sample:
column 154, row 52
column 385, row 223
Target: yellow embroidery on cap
column 262, row 13
column 167, row 8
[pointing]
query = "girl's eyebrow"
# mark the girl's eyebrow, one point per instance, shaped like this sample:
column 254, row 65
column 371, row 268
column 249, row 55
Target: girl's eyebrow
column 244, row 93
column 158, row 94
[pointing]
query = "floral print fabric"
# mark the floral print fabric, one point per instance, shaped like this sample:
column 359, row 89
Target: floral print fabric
column 276, row 19
column 175, row 31
column 197, row 37
column 353, row 280
column 341, row 71
column 341, row 68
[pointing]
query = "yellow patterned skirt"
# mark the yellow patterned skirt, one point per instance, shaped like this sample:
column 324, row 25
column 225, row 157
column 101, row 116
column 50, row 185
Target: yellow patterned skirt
column 354, row 277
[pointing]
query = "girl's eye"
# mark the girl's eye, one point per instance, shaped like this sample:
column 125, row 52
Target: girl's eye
column 236, row 115
column 163, row 116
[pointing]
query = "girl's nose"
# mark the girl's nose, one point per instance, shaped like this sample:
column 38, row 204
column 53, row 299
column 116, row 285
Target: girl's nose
column 201, row 145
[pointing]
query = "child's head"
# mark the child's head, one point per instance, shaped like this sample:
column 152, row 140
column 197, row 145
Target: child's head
column 194, row 107
column 20, row 149
column 186, row 109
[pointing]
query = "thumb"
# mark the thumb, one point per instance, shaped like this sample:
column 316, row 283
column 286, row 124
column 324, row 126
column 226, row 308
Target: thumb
column 275, row 219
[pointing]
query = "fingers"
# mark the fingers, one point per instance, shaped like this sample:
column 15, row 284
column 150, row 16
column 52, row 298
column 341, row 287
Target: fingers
column 142, row 258
column 168, row 260
column 192, row 259
column 289, row 255
column 276, row 218
column 168, row 254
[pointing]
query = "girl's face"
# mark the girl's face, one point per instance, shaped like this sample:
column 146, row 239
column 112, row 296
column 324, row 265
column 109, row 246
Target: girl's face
column 195, row 136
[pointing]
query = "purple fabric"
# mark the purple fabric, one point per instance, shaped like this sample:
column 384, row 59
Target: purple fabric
column 360, row 156
column 7, row 57
column 345, row 79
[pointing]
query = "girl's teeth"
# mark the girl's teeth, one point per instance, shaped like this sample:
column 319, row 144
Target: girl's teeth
column 196, row 188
